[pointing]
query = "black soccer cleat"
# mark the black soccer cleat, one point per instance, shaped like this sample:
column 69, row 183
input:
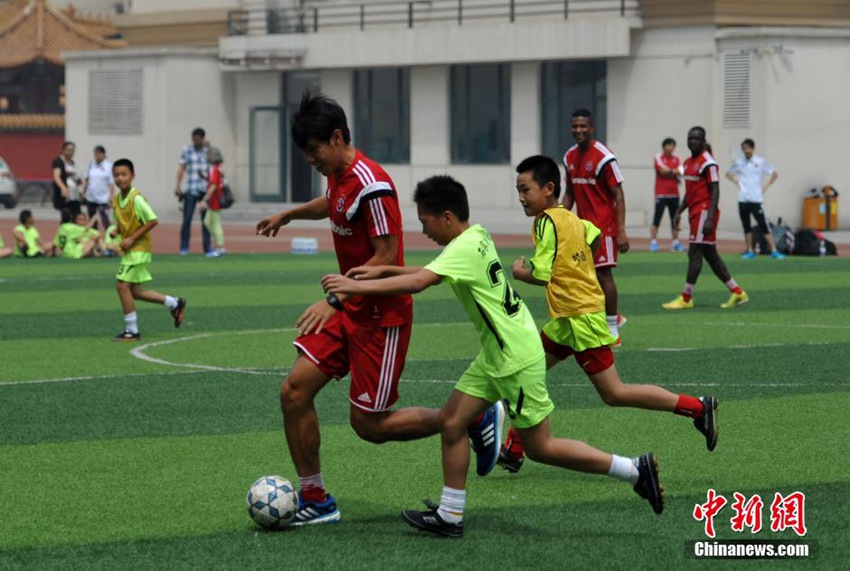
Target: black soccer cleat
column 648, row 485
column 510, row 462
column 707, row 421
column 431, row 522
column 178, row 312
column 127, row 336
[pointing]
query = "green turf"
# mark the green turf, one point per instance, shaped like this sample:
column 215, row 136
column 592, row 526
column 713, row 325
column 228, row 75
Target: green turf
column 118, row 459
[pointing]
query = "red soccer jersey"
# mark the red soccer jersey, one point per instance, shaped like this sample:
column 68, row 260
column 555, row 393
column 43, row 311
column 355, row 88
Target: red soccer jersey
column 363, row 204
column 700, row 172
column 593, row 174
column 666, row 187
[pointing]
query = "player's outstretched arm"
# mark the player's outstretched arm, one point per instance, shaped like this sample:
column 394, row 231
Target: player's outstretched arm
column 405, row 283
column 316, row 209
column 379, row 272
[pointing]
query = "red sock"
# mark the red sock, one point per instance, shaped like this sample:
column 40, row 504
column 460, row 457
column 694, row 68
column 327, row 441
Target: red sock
column 687, row 297
column 316, row 495
column 688, row 292
column 688, row 406
column 514, row 444
column 734, row 287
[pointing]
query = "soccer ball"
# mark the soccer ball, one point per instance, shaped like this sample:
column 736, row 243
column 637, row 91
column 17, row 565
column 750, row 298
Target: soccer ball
column 272, row 502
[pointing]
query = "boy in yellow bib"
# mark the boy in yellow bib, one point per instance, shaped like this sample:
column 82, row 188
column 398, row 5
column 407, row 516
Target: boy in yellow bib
column 564, row 250
column 135, row 219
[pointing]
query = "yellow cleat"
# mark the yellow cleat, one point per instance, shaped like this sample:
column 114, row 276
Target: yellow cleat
column 735, row 300
column 679, row 303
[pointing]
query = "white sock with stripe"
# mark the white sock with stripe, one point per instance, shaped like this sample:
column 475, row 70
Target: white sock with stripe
column 452, row 503
column 170, row 302
column 624, row 469
column 131, row 322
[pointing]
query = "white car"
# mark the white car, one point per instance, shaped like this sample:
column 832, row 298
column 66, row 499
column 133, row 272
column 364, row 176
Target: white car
column 8, row 188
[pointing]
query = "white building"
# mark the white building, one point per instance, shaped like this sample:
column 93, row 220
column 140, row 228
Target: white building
column 464, row 88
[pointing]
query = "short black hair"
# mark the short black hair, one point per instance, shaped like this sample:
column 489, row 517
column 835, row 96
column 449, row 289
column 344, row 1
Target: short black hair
column 583, row 112
column 543, row 170
column 124, row 163
column 440, row 193
column 698, row 128
column 198, row 132
column 317, row 118
column 100, row 149
column 24, row 215
column 668, row 141
column 749, row 143
column 66, row 144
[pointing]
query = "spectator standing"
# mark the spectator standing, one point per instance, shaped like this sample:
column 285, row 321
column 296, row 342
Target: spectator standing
column 65, row 182
column 667, row 173
column 99, row 186
column 193, row 163
column 212, row 202
column 749, row 173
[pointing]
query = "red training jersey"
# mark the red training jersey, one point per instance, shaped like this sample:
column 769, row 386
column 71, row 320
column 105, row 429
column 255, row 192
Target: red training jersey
column 666, row 187
column 700, row 172
column 215, row 177
column 593, row 173
column 363, row 204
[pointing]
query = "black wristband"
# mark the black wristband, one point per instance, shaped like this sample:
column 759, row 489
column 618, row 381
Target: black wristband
column 334, row 301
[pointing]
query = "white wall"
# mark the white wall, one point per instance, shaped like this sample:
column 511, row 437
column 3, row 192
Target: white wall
column 151, row 6
column 182, row 89
column 252, row 89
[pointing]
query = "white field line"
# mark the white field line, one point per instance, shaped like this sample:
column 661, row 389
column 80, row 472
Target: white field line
column 754, row 346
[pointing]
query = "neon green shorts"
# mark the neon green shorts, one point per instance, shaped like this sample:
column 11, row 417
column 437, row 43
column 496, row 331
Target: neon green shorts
column 525, row 392
column 581, row 332
column 134, row 274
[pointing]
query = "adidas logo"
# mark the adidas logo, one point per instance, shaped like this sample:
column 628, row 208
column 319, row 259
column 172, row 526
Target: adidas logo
column 365, row 398
column 602, row 258
column 487, row 435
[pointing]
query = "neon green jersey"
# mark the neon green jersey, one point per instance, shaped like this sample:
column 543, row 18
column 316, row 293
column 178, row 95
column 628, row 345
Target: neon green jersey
column 71, row 237
column 509, row 337
column 31, row 238
column 143, row 214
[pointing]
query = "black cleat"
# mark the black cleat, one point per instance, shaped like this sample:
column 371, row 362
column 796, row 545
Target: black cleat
column 431, row 521
column 510, row 462
column 178, row 312
column 648, row 485
column 707, row 421
column 127, row 336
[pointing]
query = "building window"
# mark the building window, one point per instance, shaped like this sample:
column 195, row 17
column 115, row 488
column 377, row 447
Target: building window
column 115, row 101
column 567, row 86
column 382, row 114
column 481, row 116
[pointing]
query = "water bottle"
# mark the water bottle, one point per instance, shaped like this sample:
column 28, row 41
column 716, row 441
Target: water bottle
column 822, row 248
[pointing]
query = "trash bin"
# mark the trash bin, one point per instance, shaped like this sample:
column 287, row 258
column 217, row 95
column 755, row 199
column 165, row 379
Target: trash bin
column 820, row 209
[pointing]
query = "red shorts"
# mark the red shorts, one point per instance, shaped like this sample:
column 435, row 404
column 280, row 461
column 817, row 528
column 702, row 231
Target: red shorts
column 606, row 256
column 697, row 219
column 592, row 361
column 374, row 355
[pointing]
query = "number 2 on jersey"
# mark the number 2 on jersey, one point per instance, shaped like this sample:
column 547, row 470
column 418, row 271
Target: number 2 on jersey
column 512, row 299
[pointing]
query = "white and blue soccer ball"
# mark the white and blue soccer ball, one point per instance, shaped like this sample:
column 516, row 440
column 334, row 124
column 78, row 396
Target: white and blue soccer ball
column 272, row 502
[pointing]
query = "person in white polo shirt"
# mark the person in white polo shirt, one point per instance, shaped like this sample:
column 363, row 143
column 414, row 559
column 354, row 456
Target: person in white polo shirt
column 99, row 186
column 753, row 175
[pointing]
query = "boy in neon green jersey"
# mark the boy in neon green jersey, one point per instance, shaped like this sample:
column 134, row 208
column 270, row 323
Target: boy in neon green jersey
column 510, row 366
column 135, row 219
column 28, row 242
column 77, row 239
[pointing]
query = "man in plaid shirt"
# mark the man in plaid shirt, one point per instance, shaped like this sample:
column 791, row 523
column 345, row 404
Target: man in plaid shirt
column 193, row 163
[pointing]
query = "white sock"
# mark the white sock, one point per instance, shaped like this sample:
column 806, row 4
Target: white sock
column 624, row 469
column 131, row 322
column 612, row 325
column 452, row 503
column 314, row 481
column 170, row 302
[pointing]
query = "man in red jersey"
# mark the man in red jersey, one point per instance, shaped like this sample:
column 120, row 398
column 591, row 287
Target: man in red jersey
column 666, row 192
column 594, row 184
column 365, row 335
column 702, row 192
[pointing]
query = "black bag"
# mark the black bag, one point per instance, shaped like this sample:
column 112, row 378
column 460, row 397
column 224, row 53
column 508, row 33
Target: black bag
column 226, row 198
column 810, row 242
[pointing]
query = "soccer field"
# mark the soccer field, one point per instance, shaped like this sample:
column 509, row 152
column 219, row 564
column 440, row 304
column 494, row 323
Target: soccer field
column 116, row 455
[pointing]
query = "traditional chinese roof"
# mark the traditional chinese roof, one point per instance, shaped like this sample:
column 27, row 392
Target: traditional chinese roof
column 31, row 122
column 33, row 30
